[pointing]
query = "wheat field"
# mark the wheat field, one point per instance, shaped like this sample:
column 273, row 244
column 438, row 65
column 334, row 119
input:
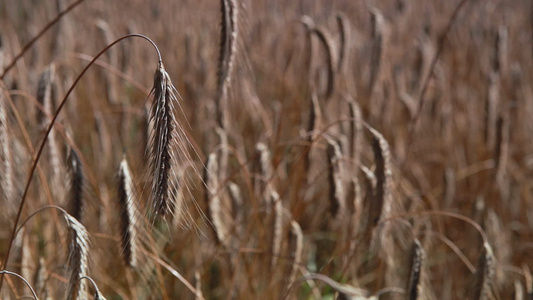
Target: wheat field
column 266, row 149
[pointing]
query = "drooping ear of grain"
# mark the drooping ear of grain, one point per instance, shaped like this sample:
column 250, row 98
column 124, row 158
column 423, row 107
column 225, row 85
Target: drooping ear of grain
column 75, row 201
column 355, row 141
column 417, row 259
column 78, row 259
column 327, row 42
column 213, row 195
column 380, row 207
column 337, row 195
column 128, row 215
column 345, row 41
column 45, row 99
column 385, row 235
column 104, row 139
column 168, row 145
column 229, row 33
column 484, row 276
column 110, row 80
column 378, row 24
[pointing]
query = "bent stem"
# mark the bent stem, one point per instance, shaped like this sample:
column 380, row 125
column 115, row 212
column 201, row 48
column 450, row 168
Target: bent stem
column 23, row 279
column 49, row 129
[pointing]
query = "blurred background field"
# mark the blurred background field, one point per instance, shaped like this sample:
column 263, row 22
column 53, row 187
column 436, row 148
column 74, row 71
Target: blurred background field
column 371, row 148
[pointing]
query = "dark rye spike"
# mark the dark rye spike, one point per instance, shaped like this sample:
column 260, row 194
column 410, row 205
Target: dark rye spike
column 226, row 59
column 168, row 144
column 128, row 213
column 75, row 205
column 417, row 259
column 380, row 206
column 78, row 259
column 335, row 179
column 484, row 276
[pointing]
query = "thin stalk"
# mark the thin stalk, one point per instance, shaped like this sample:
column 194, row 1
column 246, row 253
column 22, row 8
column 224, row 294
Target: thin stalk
column 23, row 279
